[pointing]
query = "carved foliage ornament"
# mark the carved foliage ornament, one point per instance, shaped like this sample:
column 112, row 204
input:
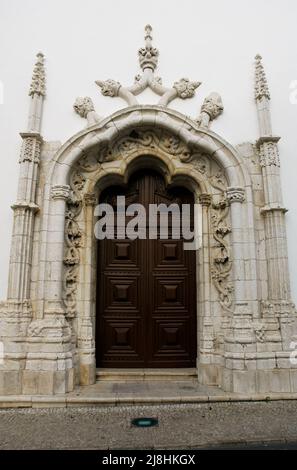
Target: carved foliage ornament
column 221, row 263
column 261, row 86
column 84, row 108
column 211, row 108
column 148, row 55
column 185, row 88
column 135, row 141
column 30, row 150
column 109, row 87
column 38, row 79
column 269, row 155
column 148, row 59
column 221, row 259
column 73, row 238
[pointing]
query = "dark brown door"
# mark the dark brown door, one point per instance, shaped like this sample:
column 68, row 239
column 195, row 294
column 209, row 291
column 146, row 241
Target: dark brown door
column 146, row 294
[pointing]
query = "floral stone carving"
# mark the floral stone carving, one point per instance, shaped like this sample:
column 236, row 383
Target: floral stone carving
column 211, row 108
column 73, row 238
column 84, row 108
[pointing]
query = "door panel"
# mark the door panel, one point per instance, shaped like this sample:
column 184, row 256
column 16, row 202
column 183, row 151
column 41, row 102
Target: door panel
column 146, row 289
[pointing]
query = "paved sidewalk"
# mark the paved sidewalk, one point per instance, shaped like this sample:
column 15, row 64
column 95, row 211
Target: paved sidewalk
column 187, row 426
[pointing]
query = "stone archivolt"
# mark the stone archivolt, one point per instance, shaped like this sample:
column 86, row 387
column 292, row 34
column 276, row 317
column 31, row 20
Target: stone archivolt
column 150, row 142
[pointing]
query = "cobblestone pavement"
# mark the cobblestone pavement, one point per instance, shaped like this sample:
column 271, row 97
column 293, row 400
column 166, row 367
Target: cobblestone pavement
column 180, row 426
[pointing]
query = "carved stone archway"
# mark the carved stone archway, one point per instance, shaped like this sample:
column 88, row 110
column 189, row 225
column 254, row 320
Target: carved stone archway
column 170, row 156
column 246, row 318
column 102, row 155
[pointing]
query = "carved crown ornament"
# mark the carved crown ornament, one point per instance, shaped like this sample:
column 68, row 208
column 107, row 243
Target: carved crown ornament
column 182, row 88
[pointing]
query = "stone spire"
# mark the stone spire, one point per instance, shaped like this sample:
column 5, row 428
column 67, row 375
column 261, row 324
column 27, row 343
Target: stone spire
column 148, row 55
column 25, row 206
column 37, row 94
column 273, row 211
column 38, row 78
column 261, row 86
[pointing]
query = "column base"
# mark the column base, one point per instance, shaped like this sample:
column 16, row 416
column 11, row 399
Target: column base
column 37, row 355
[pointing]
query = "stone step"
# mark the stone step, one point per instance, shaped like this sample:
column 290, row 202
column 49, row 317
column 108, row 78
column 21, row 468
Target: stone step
column 114, row 375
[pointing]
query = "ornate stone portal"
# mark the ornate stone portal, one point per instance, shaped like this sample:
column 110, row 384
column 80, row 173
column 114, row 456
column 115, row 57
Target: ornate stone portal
column 245, row 315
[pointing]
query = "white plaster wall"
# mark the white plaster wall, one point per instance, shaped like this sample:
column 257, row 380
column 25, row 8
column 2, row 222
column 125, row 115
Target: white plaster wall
column 213, row 41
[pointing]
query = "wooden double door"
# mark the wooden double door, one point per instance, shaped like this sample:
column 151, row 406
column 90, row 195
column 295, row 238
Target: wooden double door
column 146, row 289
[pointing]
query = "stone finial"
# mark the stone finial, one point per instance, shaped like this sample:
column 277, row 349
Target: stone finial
column 38, row 78
column 148, row 55
column 185, row 88
column 148, row 58
column 84, row 107
column 211, row 108
column 261, row 86
column 109, row 87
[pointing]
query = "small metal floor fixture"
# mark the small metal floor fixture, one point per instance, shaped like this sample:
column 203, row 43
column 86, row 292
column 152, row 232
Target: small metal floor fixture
column 145, row 422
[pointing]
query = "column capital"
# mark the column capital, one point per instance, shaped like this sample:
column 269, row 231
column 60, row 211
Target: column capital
column 24, row 205
column 90, row 199
column 60, row 191
column 267, row 138
column 272, row 208
column 235, row 194
column 204, row 199
column 33, row 135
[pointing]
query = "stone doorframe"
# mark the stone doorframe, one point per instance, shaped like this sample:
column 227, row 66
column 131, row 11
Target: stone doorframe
column 49, row 337
column 182, row 154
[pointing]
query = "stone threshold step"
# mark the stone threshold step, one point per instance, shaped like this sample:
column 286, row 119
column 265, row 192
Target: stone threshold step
column 146, row 374
column 63, row 401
